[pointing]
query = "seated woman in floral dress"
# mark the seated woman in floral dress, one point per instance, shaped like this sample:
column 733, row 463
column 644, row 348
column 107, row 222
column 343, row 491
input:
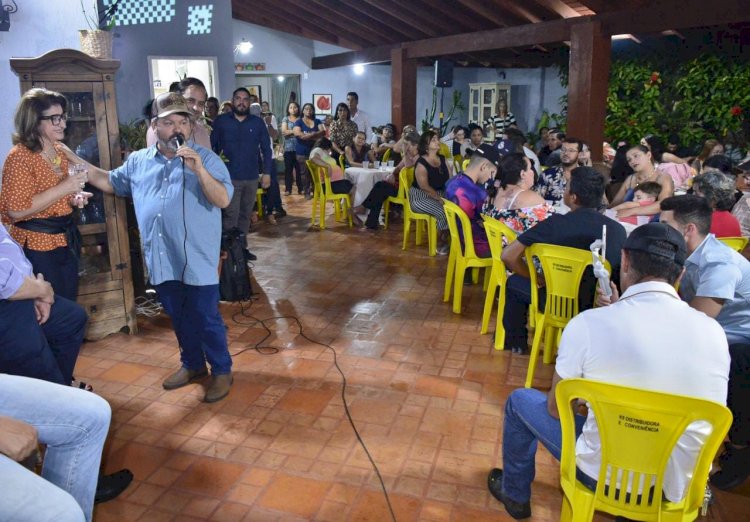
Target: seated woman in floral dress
column 513, row 202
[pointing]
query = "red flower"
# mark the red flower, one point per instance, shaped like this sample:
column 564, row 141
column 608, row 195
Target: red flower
column 654, row 77
column 736, row 110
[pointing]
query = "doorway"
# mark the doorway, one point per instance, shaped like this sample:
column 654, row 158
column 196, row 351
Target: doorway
column 165, row 70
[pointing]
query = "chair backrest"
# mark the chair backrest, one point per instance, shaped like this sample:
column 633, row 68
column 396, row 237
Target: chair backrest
column 405, row 180
column 465, row 164
column 342, row 162
column 638, row 430
column 735, row 243
column 457, row 161
column 563, row 269
column 386, row 155
column 459, row 236
column 317, row 177
column 496, row 231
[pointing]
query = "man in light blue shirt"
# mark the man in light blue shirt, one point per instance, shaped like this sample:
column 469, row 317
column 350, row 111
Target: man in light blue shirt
column 717, row 282
column 178, row 189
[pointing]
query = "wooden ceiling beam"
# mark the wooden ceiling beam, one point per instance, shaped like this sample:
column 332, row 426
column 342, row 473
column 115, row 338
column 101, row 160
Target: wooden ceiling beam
column 459, row 22
column 518, row 10
column 674, row 14
column 327, row 18
column 387, row 18
column 559, row 7
column 414, row 17
column 278, row 24
column 255, row 9
column 518, row 36
column 493, row 15
column 362, row 19
column 370, row 55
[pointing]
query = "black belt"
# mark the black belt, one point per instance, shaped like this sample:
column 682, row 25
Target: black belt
column 56, row 225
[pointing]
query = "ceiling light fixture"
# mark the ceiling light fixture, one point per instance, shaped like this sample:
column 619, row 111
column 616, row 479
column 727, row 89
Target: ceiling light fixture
column 625, row 37
column 243, row 47
column 359, row 69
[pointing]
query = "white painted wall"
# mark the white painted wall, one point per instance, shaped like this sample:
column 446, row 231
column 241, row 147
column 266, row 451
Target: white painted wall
column 37, row 27
column 533, row 91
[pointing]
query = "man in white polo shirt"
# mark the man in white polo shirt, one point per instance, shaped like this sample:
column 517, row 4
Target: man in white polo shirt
column 684, row 352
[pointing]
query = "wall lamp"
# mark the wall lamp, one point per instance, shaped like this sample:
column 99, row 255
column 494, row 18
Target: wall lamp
column 243, row 47
column 5, row 10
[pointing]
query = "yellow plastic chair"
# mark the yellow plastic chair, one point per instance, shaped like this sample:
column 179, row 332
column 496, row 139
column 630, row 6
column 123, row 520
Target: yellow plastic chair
column 637, row 454
column 259, row 201
column 563, row 269
column 445, row 151
column 386, row 156
column 496, row 231
column 735, row 243
column 465, row 164
column 457, row 163
column 342, row 162
column 320, row 179
column 406, row 179
column 398, row 199
column 461, row 256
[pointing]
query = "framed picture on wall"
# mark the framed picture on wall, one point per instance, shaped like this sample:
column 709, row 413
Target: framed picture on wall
column 254, row 90
column 323, row 103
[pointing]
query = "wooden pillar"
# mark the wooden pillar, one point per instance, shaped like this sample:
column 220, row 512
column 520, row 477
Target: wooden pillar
column 590, row 58
column 403, row 89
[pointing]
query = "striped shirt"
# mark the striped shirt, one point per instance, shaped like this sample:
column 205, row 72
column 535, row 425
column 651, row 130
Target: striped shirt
column 500, row 122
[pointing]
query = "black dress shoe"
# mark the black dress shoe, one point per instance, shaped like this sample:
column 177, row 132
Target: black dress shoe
column 517, row 510
column 110, row 486
column 280, row 213
column 249, row 256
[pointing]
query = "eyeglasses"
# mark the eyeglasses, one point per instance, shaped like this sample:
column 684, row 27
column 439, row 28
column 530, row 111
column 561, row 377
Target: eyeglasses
column 569, row 151
column 55, row 119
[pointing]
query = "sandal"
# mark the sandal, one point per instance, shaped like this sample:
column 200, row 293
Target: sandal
column 82, row 385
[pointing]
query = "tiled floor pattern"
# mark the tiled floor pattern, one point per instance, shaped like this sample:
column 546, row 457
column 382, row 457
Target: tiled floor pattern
column 424, row 388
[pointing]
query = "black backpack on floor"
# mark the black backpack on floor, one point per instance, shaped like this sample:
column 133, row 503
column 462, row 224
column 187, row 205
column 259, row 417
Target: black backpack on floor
column 234, row 280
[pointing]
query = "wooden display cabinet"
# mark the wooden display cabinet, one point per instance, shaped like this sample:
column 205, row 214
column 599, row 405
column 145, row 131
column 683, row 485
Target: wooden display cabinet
column 106, row 284
column 483, row 100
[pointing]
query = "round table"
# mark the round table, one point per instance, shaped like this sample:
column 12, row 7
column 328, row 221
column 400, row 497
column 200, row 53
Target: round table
column 364, row 180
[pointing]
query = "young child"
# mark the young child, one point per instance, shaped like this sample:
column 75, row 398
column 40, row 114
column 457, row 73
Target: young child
column 645, row 194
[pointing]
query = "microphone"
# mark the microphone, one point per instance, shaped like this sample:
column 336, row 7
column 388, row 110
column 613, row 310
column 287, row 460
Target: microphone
column 179, row 140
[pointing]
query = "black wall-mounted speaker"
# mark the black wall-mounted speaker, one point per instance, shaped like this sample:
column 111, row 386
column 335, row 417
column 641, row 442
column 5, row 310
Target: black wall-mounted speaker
column 443, row 73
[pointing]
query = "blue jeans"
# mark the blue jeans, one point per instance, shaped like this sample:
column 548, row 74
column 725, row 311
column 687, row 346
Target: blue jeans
column 47, row 351
column 198, row 325
column 74, row 424
column 526, row 422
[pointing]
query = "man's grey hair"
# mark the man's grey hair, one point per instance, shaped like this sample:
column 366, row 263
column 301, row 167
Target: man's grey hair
column 255, row 109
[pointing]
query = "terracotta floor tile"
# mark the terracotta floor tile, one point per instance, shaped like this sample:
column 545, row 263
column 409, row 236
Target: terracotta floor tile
column 311, row 402
column 294, row 495
column 125, row 372
column 210, row 477
column 426, row 391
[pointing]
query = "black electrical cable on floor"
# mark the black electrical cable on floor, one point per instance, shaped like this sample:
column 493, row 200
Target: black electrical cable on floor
column 271, row 350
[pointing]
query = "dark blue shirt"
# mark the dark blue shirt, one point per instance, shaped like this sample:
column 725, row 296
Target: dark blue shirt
column 304, row 147
column 241, row 142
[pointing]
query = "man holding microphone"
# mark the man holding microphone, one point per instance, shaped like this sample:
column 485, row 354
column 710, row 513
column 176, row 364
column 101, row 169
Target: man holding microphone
column 178, row 189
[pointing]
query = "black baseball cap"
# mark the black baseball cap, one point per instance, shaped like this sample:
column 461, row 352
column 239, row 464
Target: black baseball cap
column 644, row 239
column 489, row 153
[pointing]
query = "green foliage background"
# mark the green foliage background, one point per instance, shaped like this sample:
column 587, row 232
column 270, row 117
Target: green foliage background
column 705, row 97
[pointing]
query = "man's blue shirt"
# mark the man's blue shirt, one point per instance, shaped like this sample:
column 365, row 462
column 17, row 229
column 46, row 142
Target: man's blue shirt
column 241, row 142
column 156, row 186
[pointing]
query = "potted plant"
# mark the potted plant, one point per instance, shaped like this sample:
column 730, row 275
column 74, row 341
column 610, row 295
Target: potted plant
column 96, row 41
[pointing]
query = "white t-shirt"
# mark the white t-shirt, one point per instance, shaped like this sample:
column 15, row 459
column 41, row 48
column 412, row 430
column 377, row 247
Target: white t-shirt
column 652, row 340
column 363, row 122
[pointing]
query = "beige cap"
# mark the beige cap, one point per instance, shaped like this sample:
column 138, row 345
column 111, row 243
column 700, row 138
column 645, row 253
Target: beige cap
column 169, row 103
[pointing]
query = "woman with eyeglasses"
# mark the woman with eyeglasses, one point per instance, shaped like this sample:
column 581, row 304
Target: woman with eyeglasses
column 37, row 197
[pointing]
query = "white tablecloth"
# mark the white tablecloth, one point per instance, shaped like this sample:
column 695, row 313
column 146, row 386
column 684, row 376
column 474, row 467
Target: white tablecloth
column 364, row 180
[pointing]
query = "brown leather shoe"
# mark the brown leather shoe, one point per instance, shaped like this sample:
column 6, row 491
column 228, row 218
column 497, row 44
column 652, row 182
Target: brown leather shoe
column 183, row 377
column 219, row 387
